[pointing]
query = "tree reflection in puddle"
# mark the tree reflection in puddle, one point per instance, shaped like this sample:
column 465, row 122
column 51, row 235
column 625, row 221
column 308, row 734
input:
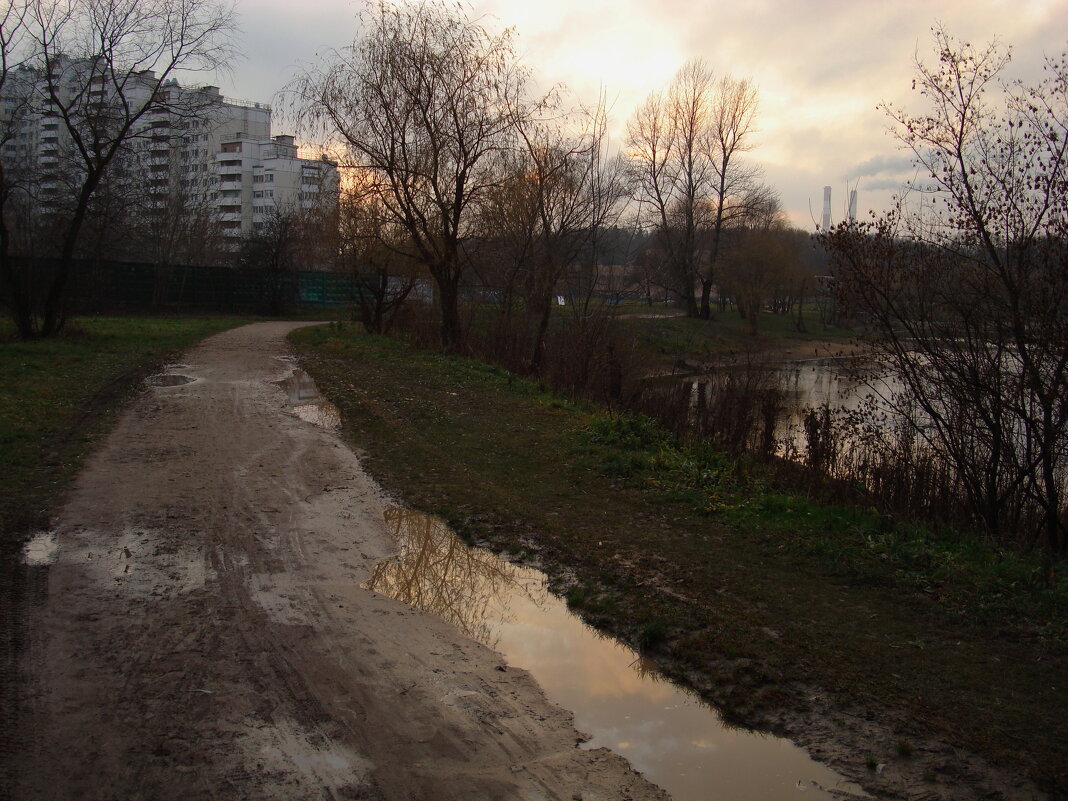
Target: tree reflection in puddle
column 306, row 403
column 616, row 695
column 436, row 572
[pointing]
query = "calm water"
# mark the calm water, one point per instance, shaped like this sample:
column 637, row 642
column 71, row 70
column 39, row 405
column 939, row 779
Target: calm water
column 617, row 697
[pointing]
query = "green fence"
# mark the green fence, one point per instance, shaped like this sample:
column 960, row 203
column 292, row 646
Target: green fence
column 98, row 286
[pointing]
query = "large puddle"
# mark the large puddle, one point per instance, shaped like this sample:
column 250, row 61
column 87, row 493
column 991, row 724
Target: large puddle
column 306, row 402
column 616, row 696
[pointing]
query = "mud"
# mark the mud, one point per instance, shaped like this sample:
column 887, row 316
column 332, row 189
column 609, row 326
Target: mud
column 197, row 628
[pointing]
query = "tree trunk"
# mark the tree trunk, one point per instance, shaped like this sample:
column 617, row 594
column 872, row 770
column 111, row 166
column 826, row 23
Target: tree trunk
column 449, row 304
column 706, row 294
column 692, row 309
column 55, row 312
column 19, row 303
column 537, row 356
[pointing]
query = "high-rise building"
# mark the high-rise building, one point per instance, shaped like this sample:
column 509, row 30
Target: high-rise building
column 193, row 148
column 826, row 208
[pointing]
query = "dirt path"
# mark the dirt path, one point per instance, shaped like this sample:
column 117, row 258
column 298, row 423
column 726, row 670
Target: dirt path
column 204, row 634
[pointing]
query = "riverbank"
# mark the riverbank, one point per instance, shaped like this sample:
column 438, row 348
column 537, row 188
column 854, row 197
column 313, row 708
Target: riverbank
column 666, row 341
column 872, row 644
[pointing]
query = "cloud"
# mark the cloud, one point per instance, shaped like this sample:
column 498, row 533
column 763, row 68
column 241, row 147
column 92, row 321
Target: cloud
column 821, row 66
column 883, row 185
column 878, row 165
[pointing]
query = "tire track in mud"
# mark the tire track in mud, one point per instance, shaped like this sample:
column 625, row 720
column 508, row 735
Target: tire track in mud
column 203, row 633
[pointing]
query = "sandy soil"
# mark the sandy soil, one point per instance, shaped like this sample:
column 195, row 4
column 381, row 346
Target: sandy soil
column 204, row 634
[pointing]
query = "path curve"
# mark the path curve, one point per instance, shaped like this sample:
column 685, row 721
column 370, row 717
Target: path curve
column 204, row 634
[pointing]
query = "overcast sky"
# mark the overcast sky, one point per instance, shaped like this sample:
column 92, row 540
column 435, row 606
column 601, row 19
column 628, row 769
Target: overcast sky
column 821, row 66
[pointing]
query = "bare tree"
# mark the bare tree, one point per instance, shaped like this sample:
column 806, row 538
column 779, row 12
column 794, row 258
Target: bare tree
column 17, row 174
column 547, row 216
column 968, row 300
column 98, row 68
column 736, row 188
column 685, row 148
column 272, row 252
column 376, row 252
column 668, row 139
column 423, row 101
column 759, row 261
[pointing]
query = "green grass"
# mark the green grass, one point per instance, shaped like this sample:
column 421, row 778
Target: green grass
column 58, row 395
column 670, row 338
column 747, row 592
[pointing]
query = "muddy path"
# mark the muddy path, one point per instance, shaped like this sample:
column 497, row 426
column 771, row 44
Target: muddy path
column 201, row 632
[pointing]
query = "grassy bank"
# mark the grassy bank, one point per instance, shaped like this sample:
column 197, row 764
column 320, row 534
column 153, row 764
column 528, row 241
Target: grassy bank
column 752, row 594
column 667, row 339
column 57, row 396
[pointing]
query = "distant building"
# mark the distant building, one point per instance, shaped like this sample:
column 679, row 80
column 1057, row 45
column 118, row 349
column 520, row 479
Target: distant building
column 196, row 147
column 256, row 178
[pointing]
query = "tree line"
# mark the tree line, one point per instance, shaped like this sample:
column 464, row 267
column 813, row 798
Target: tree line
column 460, row 169
column 458, row 172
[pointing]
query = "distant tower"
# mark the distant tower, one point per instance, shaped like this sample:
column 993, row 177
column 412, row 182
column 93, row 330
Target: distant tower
column 826, row 208
column 852, row 205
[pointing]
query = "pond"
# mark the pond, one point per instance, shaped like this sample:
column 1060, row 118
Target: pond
column 618, row 697
column 760, row 406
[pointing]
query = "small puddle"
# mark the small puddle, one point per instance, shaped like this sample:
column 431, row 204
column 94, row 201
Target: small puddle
column 41, row 550
column 618, row 697
column 169, row 380
column 306, row 402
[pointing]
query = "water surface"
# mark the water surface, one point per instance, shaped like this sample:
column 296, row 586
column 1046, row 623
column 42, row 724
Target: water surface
column 306, row 403
column 618, row 697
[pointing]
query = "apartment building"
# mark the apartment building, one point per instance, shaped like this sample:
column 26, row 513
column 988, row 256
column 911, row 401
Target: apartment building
column 225, row 156
column 260, row 178
column 194, row 150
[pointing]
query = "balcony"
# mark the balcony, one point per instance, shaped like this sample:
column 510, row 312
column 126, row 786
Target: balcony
column 229, row 213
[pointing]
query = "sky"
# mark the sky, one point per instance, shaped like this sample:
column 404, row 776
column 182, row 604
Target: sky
column 822, row 67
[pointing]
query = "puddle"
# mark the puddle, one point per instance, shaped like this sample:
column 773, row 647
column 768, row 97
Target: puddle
column 41, row 550
column 306, row 402
column 137, row 563
column 169, row 380
column 665, row 732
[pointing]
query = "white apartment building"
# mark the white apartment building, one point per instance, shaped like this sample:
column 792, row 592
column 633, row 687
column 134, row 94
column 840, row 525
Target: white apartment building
column 260, row 178
column 227, row 157
column 197, row 149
